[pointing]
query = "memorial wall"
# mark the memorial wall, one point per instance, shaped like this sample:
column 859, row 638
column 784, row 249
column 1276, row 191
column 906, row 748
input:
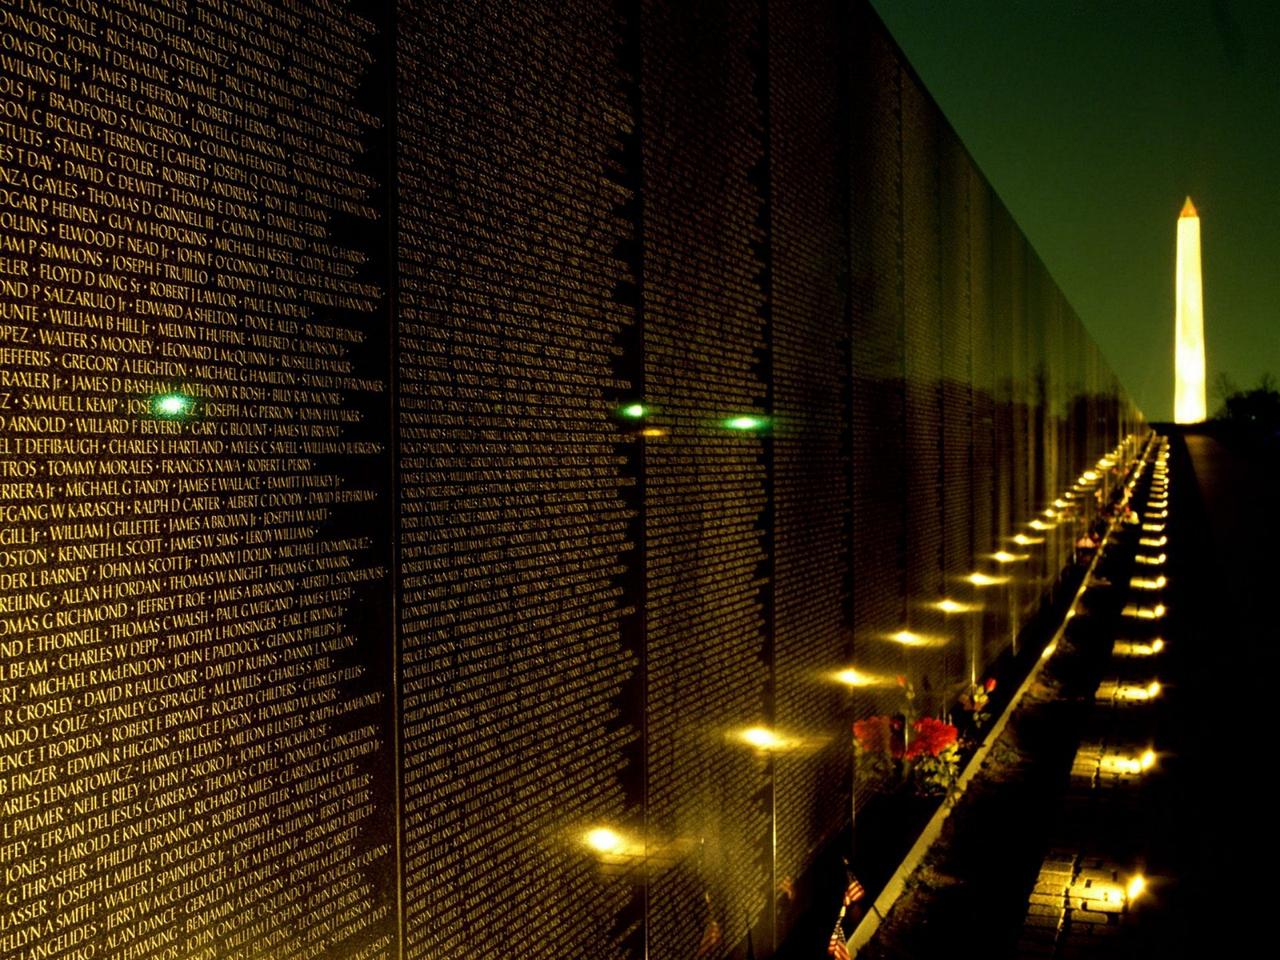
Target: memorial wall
column 448, row 449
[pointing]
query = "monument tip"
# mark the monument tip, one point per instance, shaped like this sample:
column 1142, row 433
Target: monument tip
column 1188, row 209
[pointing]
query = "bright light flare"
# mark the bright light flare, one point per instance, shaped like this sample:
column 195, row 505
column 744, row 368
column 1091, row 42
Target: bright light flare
column 1134, row 889
column 171, row 405
column 1153, row 541
column 761, row 737
column 746, row 423
column 604, row 840
column 1022, row 540
column 852, row 677
column 1040, row 525
column 1150, row 561
column 633, row 411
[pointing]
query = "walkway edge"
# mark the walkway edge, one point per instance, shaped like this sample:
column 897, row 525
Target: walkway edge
column 893, row 888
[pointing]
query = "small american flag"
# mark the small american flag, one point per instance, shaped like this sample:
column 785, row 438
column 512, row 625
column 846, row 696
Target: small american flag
column 837, row 948
column 710, row 941
column 711, row 936
column 854, row 892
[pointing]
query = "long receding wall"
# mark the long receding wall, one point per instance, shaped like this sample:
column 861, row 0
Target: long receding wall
column 435, row 434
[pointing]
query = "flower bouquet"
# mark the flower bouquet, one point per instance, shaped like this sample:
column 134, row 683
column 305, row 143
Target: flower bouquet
column 926, row 752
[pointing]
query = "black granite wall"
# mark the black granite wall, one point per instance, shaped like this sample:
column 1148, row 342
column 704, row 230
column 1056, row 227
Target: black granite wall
column 449, row 447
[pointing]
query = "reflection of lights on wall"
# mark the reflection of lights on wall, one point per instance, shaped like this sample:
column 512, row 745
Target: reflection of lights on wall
column 955, row 606
column 1151, row 561
column 762, row 738
column 604, row 840
column 908, row 638
column 1153, row 541
column 1153, row 528
column 1004, row 556
column 1040, row 525
column 653, row 432
column 852, row 677
column 746, row 423
column 983, row 580
column 171, row 405
column 1188, row 328
column 1023, row 540
column 633, row 411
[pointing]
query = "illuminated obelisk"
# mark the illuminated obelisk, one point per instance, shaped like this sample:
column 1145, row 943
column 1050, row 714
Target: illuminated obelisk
column 1188, row 332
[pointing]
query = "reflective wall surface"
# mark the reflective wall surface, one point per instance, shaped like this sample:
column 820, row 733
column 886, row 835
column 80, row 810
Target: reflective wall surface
column 450, row 452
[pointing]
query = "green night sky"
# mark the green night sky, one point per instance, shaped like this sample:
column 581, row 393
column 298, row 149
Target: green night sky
column 1093, row 119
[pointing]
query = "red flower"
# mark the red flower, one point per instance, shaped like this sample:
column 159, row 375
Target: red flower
column 931, row 737
column 990, row 684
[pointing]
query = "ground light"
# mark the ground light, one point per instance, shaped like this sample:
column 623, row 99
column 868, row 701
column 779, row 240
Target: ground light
column 1132, row 648
column 1146, row 583
column 1144, row 613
